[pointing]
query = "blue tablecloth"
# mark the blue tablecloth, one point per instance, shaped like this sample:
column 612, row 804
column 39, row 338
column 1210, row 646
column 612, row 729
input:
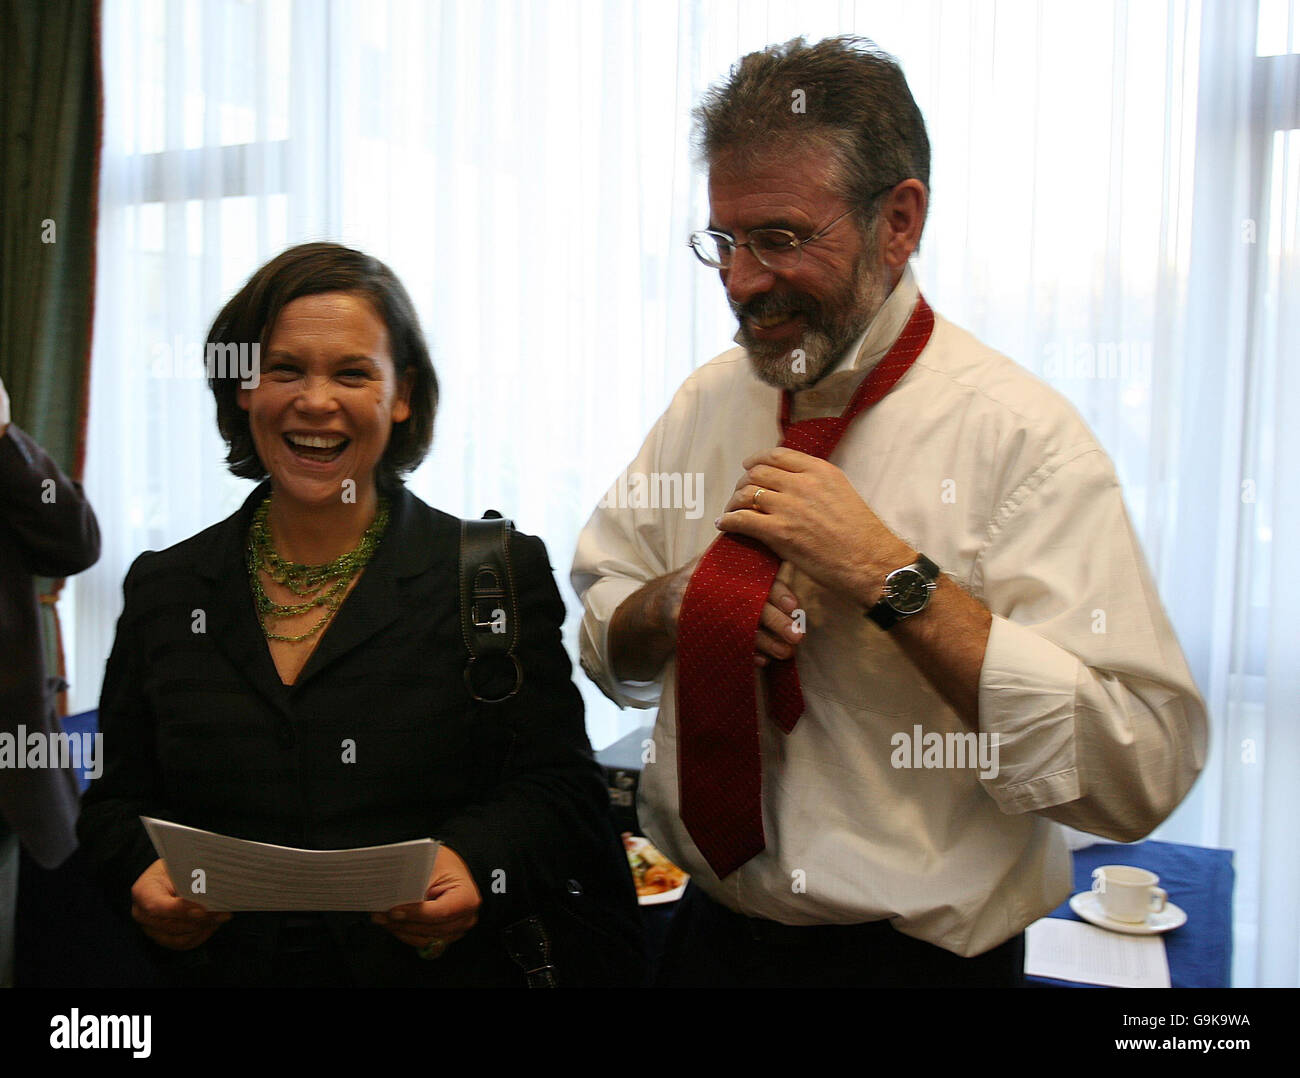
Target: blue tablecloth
column 1199, row 880
column 87, row 722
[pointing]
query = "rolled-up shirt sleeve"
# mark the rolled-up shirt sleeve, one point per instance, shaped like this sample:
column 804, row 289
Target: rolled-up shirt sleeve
column 599, row 603
column 1100, row 725
column 620, row 549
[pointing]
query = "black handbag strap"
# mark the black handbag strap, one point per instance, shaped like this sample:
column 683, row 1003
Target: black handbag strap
column 489, row 622
column 489, row 607
column 530, row 947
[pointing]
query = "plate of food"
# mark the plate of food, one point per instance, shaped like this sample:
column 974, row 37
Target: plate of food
column 657, row 878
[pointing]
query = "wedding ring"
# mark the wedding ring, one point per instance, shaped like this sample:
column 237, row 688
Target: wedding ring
column 433, row 949
column 758, row 494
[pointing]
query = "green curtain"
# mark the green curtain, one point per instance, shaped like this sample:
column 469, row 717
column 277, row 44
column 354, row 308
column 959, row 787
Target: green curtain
column 51, row 103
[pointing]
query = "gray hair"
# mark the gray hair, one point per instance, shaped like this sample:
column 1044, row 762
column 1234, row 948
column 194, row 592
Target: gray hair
column 844, row 94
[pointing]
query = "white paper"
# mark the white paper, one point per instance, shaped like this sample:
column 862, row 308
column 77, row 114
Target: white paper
column 1073, row 951
column 232, row 874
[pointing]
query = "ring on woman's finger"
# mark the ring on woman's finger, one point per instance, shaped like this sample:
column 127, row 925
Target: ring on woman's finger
column 758, row 493
column 433, row 949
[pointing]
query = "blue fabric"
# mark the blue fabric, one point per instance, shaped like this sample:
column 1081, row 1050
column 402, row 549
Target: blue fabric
column 1197, row 879
column 85, row 723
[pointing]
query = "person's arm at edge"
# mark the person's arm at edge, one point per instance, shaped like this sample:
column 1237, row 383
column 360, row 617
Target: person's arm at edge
column 47, row 510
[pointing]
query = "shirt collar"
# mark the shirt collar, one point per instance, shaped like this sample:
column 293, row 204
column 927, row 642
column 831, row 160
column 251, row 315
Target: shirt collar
column 883, row 330
column 830, row 393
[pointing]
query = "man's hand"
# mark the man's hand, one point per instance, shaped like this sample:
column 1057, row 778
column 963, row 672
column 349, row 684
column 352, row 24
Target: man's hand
column 810, row 514
column 167, row 919
column 778, row 633
column 4, row 409
column 643, row 630
column 450, row 908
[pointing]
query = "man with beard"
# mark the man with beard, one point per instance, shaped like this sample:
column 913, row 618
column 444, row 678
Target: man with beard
column 981, row 653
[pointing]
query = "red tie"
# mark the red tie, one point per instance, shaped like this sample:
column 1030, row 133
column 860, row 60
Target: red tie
column 719, row 767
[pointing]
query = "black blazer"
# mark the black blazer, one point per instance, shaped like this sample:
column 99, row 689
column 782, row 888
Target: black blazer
column 377, row 741
column 47, row 528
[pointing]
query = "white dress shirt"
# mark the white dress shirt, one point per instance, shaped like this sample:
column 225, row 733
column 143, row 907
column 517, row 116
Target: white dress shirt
column 994, row 477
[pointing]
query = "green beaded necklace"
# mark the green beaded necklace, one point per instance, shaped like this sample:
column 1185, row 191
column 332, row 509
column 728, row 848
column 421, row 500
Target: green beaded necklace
column 321, row 585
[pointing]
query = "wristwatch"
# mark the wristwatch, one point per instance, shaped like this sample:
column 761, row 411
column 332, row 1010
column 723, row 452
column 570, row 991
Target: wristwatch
column 907, row 592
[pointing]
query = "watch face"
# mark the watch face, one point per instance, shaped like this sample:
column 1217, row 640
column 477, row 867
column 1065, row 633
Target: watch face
column 907, row 591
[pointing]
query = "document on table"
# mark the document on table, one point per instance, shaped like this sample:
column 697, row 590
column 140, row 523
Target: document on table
column 232, row 874
column 1074, row 951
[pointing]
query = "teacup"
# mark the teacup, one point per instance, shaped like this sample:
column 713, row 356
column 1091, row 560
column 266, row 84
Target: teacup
column 1126, row 893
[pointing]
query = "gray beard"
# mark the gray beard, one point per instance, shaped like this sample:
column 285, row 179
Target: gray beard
column 822, row 344
column 801, row 366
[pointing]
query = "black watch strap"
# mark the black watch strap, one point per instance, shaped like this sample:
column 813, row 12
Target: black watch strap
column 887, row 616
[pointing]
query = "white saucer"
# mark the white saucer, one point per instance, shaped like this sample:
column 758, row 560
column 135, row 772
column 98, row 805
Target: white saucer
column 1087, row 906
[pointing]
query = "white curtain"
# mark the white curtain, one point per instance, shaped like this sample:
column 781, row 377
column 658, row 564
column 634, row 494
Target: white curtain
column 1114, row 206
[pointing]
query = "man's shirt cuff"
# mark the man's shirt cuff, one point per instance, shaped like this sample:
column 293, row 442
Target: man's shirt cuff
column 1027, row 698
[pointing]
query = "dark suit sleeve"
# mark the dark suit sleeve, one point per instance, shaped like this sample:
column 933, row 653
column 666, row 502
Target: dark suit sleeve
column 109, row 827
column 55, row 525
column 550, row 809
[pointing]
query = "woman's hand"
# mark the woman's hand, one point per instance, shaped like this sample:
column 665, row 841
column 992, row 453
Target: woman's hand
column 167, row 919
column 449, row 911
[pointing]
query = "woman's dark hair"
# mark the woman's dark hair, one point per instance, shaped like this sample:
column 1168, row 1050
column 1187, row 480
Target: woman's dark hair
column 307, row 270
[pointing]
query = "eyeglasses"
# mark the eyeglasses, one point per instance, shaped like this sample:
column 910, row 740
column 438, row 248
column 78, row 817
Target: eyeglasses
column 775, row 248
